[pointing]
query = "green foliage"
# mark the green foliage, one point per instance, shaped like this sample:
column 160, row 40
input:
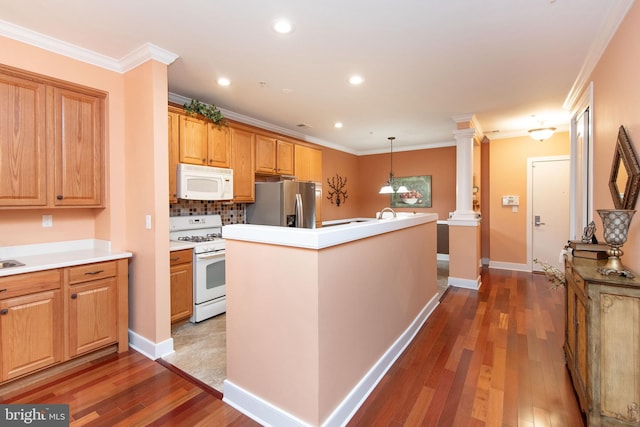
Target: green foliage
column 211, row 112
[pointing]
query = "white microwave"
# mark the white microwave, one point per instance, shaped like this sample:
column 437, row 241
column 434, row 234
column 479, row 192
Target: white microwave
column 204, row 182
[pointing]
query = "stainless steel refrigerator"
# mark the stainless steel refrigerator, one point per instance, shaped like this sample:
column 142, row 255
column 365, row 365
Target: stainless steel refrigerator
column 284, row 203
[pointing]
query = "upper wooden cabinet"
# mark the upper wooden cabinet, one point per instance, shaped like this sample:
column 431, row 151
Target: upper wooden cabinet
column 202, row 142
column 52, row 139
column 308, row 163
column 173, row 119
column 23, row 141
column 274, row 156
column 78, row 146
column 243, row 159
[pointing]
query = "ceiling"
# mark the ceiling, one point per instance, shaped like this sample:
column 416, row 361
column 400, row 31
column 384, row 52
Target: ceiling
column 424, row 62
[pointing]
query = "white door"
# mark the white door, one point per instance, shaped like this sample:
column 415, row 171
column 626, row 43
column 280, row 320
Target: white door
column 549, row 216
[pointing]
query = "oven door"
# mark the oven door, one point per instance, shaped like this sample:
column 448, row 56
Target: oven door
column 210, row 280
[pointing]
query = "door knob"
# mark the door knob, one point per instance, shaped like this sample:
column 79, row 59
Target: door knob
column 537, row 221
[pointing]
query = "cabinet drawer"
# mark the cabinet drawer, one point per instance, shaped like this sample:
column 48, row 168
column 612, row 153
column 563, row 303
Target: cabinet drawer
column 28, row 283
column 579, row 281
column 181, row 257
column 84, row 273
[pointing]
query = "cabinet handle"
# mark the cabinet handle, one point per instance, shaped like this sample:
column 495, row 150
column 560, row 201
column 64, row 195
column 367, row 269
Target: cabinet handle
column 3, row 290
column 4, row 311
column 93, row 273
column 175, row 259
column 74, row 296
column 59, row 197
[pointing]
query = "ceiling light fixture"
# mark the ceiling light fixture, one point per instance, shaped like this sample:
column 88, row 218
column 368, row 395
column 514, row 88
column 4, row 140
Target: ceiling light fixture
column 282, row 26
column 389, row 187
column 222, row 81
column 356, row 80
column 338, row 125
column 540, row 134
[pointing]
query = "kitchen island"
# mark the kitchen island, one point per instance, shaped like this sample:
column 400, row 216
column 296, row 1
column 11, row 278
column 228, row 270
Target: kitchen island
column 315, row 317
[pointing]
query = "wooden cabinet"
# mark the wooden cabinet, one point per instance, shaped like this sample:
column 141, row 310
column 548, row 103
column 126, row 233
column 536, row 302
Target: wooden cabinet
column 30, row 322
column 602, row 342
column 52, row 316
column 274, row 156
column 203, row 143
column 173, row 121
column 78, row 146
column 181, row 266
column 52, row 134
column 23, row 142
column 243, row 164
column 308, row 163
column 92, row 299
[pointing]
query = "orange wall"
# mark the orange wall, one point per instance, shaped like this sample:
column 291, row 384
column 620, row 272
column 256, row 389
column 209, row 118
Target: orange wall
column 616, row 101
column 440, row 163
column 347, row 167
column 508, row 176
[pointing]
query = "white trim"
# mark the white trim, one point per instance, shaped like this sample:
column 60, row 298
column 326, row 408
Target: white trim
column 267, row 414
column 509, row 266
column 148, row 348
column 136, row 57
column 465, row 283
column 612, row 21
column 530, row 161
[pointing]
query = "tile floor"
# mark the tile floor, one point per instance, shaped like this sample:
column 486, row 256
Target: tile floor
column 200, row 349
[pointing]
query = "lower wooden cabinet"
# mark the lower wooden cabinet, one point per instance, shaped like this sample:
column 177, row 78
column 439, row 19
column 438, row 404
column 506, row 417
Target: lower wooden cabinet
column 30, row 322
column 181, row 265
column 52, row 316
column 602, row 343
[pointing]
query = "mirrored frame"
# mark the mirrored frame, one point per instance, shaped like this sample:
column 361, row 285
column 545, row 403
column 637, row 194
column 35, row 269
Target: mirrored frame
column 624, row 181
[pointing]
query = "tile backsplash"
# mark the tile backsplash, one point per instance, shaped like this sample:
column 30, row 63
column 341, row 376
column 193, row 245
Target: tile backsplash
column 230, row 213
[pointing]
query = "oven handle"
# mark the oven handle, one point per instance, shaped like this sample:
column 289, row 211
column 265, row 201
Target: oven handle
column 219, row 254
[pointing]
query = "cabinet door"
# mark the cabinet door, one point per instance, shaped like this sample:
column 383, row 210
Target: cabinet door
column 302, row 163
column 315, row 165
column 79, row 144
column 582, row 350
column 243, row 165
column 181, row 292
column 174, row 146
column 30, row 333
column 619, row 354
column 193, row 140
column 571, row 321
column 22, row 142
column 92, row 315
column 219, row 146
column 265, row 154
column 284, row 161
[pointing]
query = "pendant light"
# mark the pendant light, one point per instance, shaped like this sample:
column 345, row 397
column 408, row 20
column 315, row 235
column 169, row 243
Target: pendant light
column 389, row 186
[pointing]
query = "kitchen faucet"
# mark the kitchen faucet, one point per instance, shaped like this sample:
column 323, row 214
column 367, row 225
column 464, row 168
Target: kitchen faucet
column 386, row 210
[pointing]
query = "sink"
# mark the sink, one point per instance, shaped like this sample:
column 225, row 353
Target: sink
column 10, row 263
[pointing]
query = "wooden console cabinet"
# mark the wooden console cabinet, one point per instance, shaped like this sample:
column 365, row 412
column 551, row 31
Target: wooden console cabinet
column 602, row 343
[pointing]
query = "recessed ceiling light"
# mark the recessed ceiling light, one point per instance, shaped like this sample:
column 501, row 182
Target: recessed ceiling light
column 283, row 26
column 223, row 81
column 356, row 80
column 338, row 125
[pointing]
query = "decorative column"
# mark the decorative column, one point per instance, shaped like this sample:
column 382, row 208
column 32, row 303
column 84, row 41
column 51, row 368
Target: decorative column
column 464, row 224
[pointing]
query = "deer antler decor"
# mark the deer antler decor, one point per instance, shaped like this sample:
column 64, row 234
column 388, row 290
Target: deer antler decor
column 337, row 184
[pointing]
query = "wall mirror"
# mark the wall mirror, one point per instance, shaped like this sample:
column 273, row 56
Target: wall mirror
column 624, row 181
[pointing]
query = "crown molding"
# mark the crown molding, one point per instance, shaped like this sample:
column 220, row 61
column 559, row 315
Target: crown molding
column 138, row 56
column 599, row 45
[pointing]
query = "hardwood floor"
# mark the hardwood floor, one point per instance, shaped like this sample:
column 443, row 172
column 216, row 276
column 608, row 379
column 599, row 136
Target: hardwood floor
column 486, row 358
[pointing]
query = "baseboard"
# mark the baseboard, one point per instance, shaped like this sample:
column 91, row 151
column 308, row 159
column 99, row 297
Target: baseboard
column 465, row 283
column 442, row 257
column 265, row 413
column 509, row 266
column 149, row 348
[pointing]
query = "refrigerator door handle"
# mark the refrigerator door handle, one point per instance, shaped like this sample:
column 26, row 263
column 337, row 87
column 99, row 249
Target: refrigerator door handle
column 299, row 211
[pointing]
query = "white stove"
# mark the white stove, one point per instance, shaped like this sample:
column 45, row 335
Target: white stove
column 209, row 282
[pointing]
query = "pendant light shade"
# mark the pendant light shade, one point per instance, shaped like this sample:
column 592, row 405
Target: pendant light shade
column 541, row 134
column 389, row 186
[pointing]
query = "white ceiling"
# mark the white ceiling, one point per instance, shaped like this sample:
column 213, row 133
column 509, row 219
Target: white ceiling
column 423, row 61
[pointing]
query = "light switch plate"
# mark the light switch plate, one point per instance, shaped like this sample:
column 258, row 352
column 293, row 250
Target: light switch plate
column 47, row 221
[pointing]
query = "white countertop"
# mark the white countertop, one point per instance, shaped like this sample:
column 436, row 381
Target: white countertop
column 47, row 256
column 177, row 246
column 318, row 238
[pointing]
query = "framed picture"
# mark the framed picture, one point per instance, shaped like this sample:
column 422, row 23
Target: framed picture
column 589, row 231
column 419, row 195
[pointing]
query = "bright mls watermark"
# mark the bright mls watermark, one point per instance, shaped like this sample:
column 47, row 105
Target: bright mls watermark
column 54, row 415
